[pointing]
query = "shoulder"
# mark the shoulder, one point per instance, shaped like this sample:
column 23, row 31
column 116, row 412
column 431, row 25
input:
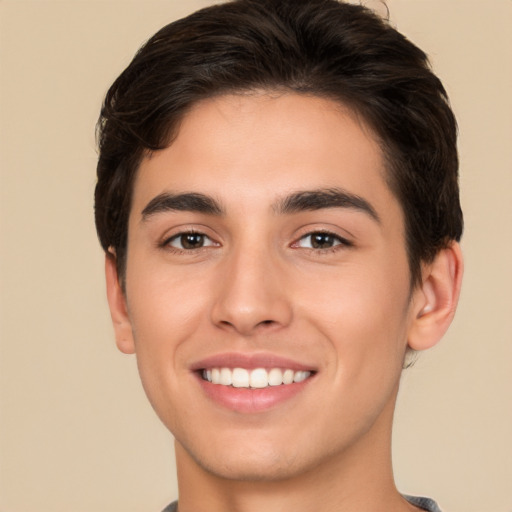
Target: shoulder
column 425, row 503
column 173, row 507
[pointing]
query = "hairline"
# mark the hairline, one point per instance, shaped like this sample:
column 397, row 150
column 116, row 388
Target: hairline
column 344, row 105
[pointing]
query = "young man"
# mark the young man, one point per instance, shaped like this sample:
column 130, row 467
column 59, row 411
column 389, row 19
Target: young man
column 278, row 203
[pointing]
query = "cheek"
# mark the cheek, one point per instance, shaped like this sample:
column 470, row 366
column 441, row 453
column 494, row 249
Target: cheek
column 362, row 311
column 161, row 300
column 166, row 311
column 165, row 315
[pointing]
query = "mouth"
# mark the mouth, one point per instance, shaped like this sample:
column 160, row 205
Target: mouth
column 257, row 378
column 252, row 383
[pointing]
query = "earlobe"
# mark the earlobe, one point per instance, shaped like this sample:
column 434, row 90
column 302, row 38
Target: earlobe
column 436, row 298
column 117, row 303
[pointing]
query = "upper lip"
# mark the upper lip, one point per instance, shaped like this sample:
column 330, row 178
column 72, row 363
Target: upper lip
column 249, row 361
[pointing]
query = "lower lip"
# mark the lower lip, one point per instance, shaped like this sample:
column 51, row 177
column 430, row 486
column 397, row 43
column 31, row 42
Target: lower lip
column 251, row 400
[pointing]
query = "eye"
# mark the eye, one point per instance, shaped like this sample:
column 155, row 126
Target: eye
column 189, row 241
column 321, row 240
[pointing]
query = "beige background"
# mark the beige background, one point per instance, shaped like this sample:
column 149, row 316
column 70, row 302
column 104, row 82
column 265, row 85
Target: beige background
column 76, row 434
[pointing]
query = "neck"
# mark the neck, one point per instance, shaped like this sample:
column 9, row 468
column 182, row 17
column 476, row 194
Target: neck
column 359, row 479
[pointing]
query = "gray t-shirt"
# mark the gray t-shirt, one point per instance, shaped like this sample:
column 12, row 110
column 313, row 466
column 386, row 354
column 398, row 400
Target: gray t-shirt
column 424, row 503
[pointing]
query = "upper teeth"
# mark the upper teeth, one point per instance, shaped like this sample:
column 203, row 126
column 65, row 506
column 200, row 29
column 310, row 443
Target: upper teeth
column 257, row 378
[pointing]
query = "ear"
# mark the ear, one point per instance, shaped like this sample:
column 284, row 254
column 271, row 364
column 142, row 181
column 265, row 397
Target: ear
column 435, row 300
column 117, row 303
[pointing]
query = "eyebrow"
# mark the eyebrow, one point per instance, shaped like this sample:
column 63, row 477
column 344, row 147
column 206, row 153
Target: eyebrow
column 309, row 200
column 304, row 200
column 191, row 202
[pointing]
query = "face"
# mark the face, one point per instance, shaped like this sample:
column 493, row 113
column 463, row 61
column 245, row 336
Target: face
column 267, row 285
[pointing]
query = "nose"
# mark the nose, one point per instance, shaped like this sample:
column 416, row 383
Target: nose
column 252, row 294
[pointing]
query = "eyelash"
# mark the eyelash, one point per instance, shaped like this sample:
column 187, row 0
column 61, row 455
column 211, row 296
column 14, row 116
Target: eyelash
column 339, row 242
column 166, row 244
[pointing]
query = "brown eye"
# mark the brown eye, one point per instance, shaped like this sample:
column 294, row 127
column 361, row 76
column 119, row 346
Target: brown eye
column 320, row 240
column 190, row 241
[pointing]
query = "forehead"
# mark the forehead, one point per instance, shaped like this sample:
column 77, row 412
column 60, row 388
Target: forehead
column 254, row 148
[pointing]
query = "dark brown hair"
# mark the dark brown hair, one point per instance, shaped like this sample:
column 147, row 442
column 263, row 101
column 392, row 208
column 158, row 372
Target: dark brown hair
column 325, row 48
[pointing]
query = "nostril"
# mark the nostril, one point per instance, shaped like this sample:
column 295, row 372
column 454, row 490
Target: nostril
column 227, row 325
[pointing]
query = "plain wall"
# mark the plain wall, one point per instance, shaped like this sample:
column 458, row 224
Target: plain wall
column 76, row 432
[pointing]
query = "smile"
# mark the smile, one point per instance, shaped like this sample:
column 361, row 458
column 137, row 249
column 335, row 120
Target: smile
column 253, row 383
column 257, row 378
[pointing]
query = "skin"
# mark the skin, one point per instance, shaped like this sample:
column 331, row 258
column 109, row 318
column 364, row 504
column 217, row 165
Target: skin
column 258, row 286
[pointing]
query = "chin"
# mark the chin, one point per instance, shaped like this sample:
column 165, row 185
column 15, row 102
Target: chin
column 253, row 471
column 258, row 465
